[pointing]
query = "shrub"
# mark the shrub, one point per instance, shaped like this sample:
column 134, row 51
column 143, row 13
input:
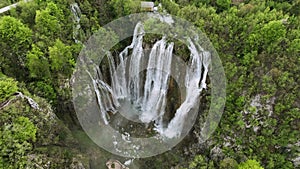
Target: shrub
column 8, row 87
column 250, row 164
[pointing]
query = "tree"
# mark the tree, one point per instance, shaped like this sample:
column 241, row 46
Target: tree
column 7, row 88
column 250, row 164
column 61, row 59
column 26, row 12
column 223, row 4
column 43, row 89
column 171, row 6
column 125, row 7
column 228, row 163
column 37, row 64
column 48, row 22
column 295, row 47
column 272, row 33
column 199, row 162
column 15, row 41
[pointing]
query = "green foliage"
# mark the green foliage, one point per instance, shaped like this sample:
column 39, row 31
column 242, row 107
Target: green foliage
column 48, row 21
column 26, row 12
column 171, row 6
column 4, row 3
column 223, row 4
column 15, row 141
column 61, row 59
column 258, row 42
column 37, row 64
column 199, row 162
column 43, row 89
column 8, row 87
column 295, row 47
column 190, row 12
column 14, row 32
column 125, row 7
column 250, row 164
column 24, row 129
column 268, row 36
column 15, row 40
column 228, row 163
column 272, row 32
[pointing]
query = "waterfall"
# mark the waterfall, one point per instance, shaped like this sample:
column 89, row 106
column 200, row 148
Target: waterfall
column 156, row 84
column 76, row 19
column 147, row 93
column 193, row 78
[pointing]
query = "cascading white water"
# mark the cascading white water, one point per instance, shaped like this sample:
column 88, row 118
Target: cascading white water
column 148, row 95
column 193, row 78
column 76, row 18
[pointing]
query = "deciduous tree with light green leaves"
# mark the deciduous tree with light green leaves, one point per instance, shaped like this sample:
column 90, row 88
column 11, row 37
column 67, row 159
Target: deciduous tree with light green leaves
column 125, row 7
column 37, row 64
column 61, row 59
column 15, row 41
column 250, row 164
column 8, row 87
column 223, row 4
column 48, row 22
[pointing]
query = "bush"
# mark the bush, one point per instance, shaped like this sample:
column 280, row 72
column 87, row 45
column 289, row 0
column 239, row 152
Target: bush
column 15, row 141
column 228, row 163
column 44, row 90
column 223, row 4
column 250, row 164
column 199, row 162
column 8, row 87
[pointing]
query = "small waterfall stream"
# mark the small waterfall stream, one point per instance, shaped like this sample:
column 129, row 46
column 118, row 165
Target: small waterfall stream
column 76, row 19
column 146, row 96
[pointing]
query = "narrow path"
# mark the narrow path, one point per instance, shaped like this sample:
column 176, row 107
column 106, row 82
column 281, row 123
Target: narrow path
column 7, row 8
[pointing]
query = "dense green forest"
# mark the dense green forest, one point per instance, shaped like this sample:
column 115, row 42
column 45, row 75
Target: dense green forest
column 258, row 42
